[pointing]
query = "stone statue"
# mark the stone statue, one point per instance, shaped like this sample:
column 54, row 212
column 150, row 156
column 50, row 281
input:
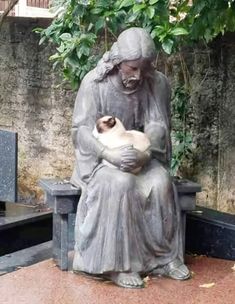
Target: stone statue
column 127, row 225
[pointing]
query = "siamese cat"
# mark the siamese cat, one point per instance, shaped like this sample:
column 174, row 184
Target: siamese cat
column 110, row 131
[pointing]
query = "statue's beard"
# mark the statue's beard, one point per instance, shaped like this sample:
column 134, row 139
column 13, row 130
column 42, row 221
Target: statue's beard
column 131, row 82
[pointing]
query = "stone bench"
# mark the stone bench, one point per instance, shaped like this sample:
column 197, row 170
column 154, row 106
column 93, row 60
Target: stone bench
column 63, row 198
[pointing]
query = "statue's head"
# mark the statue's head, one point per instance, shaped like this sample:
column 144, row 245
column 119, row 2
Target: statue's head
column 133, row 44
column 132, row 54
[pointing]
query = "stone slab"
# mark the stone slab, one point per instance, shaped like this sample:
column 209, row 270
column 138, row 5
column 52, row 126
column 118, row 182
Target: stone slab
column 25, row 257
column 210, row 232
column 186, row 186
column 8, row 166
column 56, row 187
column 22, row 226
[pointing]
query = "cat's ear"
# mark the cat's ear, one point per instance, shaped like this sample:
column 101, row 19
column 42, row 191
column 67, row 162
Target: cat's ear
column 98, row 127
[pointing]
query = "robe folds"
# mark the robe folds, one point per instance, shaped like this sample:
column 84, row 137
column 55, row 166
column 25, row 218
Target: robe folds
column 124, row 222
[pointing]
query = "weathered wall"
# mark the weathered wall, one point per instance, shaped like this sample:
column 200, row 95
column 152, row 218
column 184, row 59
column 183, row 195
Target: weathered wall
column 33, row 105
column 212, row 78
column 214, row 104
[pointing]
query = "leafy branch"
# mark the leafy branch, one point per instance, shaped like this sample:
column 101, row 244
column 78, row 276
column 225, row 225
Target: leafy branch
column 78, row 26
column 84, row 29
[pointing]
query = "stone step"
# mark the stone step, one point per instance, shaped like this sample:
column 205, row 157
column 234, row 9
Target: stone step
column 211, row 233
column 23, row 226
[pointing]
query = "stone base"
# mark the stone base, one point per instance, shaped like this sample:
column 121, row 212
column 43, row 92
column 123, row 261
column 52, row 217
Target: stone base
column 210, row 233
column 22, row 227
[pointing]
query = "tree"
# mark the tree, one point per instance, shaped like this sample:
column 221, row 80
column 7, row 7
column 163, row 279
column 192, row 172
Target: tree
column 81, row 25
column 10, row 6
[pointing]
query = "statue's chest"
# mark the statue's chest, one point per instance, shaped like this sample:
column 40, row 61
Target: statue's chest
column 128, row 108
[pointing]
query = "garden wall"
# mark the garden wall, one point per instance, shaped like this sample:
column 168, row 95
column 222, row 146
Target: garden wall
column 32, row 104
column 212, row 102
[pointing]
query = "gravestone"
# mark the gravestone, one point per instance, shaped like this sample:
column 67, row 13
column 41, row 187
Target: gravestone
column 8, row 166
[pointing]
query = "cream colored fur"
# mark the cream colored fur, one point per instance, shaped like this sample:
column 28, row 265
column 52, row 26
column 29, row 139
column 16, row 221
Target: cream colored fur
column 118, row 136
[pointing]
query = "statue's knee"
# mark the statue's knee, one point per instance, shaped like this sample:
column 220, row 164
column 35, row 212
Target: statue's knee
column 124, row 181
column 162, row 181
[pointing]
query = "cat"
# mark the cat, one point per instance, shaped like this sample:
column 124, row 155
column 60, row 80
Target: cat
column 110, row 131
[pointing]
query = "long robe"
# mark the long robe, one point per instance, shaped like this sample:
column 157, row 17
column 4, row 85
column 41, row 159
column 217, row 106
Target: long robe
column 124, row 222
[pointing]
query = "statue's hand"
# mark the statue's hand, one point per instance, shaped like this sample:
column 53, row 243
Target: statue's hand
column 133, row 158
column 115, row 155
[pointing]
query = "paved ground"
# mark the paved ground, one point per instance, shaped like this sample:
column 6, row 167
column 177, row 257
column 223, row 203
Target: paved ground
column 44, row 283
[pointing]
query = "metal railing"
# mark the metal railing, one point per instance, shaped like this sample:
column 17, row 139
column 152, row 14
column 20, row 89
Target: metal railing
column 28, row 8
column 4, row 4
column 38, row 3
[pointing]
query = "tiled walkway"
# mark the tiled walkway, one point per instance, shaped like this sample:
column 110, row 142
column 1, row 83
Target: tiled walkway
column 44, row 283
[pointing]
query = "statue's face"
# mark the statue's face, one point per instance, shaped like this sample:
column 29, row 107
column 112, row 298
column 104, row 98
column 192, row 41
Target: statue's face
column 132, row 72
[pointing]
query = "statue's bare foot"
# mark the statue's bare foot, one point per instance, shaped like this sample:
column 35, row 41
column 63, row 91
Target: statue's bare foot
column 127, row 279
column 175, row 270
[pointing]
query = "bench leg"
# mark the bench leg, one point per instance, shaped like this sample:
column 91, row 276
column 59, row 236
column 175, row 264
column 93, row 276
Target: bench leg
column 60, row 240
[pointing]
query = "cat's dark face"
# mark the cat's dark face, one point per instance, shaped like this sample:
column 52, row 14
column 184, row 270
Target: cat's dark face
column 105, row 123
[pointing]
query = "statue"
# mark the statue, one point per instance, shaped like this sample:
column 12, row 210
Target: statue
column 127, row 225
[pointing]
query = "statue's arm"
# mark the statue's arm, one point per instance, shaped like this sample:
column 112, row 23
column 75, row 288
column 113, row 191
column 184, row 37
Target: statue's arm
column 84, row 119
column 156, row 133
column 158, row 130
column 86, row 112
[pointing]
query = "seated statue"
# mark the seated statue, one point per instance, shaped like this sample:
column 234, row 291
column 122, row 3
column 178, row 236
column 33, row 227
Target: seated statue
column 127, row 225
column 110, row 131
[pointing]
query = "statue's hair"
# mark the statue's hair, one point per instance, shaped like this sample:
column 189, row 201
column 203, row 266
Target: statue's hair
column 132, row 44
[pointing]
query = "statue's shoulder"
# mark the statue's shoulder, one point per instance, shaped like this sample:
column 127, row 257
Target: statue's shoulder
column 91, row 80
column 89, row 83
column 161, row 79
column 89, row 77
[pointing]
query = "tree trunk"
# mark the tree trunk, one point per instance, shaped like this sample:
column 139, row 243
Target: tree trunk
column 7, row 11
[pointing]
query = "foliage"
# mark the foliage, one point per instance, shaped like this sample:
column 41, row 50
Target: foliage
column 209, row 18
column 82, row 25
column 181, row 134
column 79, row 24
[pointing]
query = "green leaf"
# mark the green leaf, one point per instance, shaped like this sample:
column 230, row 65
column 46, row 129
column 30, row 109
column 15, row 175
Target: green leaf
column 42, row 40
column 167, row 46
column 54, row 57
column 65, row 36
column 69, row 61
column 150, row 11
column 132, row 17
column 96, row 11
column 126, row 3
column 83, row 50
column 138, row 7
column 61, row 48
column 90, row 27
column 151, row 2
column 179, row 31
column 99, row 24
column 208, row 35
column 38, row 30
column 55, row 64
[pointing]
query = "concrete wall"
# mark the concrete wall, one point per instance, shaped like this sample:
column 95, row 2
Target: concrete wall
column 211, row 76
column 33, row 105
